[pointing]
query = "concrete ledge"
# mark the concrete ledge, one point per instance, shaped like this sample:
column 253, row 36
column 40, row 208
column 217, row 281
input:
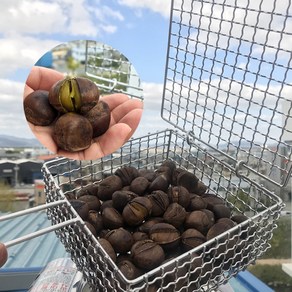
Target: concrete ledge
column 287, row 268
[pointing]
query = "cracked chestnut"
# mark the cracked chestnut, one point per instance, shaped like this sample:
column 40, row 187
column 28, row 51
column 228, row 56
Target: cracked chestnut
column 76, row 94
column 147, row 254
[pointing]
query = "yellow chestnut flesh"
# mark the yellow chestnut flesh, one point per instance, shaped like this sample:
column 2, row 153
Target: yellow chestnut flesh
column 76, row 94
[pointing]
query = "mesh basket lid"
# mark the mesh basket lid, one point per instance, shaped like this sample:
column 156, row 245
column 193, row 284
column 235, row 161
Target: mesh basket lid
column 228, row 81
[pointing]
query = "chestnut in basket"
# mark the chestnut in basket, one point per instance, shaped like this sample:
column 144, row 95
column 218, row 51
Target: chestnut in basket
column 81, row 208
column 192, row 238
column 120, row 239
column 129, row 270
column 112, row 219
column 38, row 110
column 139, row 185
column 147, row 254
column 108, row 248
column 137, row 210
column 166, row 235
column 198, row 220
column 180, row 195
column 160, row 202
column 108, row 186
column 175, row 214
column 127, row 174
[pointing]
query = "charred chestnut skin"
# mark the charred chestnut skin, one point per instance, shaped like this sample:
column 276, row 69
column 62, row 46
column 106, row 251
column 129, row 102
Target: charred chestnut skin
column 72, row 132
column 38, row 110
column 99, row 117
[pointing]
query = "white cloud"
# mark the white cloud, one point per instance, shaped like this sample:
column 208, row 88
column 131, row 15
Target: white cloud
column 79, row 17
column 103, row 12
column 28, row 28
column 31, row 17
column 152, row 93
column 12, row 118
column 159, row 6
column 109, row 28
column 18, row 52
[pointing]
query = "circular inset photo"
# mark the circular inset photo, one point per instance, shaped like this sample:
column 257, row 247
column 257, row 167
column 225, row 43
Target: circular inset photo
column 83, row 100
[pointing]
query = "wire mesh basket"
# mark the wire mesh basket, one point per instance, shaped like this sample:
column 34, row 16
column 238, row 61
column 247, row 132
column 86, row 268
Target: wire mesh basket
column 203, row 268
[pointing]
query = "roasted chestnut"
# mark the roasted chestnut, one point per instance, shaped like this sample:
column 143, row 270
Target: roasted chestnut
column 175, row 215
column 137, row 210
column 99, row 117
column 120, row 239
column 38, row 110
column 76, row 94
column 166, row 235
column 108, row 186
column 192, row 238
column 199, row 220
column 72, row 132
column 147, row 254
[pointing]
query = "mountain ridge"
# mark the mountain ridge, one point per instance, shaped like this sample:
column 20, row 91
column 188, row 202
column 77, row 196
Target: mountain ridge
column 12, row 141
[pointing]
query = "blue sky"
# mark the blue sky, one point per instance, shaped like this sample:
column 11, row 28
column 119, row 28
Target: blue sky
column 139, row 30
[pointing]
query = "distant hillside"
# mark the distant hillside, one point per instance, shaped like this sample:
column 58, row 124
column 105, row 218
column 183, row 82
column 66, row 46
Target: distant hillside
column 11, row 141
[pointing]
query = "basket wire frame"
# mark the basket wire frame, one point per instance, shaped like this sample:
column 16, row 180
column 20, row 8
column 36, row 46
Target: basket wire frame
column 228, row 81
column 111, row 70
column 203, row 268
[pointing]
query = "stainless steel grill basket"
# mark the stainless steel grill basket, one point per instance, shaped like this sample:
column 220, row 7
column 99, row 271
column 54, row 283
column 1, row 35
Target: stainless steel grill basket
column 227, row 95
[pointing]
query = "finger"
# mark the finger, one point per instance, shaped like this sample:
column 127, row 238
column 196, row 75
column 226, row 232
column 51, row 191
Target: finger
column 113, row 100
column 72, row 155
column 123, row 109
column 27, row 91
column 132, row 119
column 43, row 78
column 45, row 136
column 113, row 139
column 3, row 254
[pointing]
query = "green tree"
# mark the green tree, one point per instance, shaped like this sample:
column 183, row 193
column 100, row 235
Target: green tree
column 241, row 200
column 72, row 64
column 7, row 196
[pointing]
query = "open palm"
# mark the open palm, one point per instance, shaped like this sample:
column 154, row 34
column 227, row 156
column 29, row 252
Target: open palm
column 125, row 117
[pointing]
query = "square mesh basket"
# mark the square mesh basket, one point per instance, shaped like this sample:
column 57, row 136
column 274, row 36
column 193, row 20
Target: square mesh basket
column 226, row 92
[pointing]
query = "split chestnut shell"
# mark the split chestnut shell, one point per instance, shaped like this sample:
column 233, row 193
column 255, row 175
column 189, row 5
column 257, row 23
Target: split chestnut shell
column 75, row 94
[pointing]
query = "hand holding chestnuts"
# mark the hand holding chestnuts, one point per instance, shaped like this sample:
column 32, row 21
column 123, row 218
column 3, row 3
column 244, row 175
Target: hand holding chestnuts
column 72, row 107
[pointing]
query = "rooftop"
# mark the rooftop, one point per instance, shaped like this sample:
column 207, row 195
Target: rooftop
column 27, row 259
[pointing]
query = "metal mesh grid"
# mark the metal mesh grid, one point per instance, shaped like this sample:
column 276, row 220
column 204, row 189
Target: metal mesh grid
column 228, row 80
column 201, row 269
column 111, row 70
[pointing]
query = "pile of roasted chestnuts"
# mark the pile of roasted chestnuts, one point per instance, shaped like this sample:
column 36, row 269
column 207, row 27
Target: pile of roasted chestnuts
column 72, row 107
column 143, row 218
